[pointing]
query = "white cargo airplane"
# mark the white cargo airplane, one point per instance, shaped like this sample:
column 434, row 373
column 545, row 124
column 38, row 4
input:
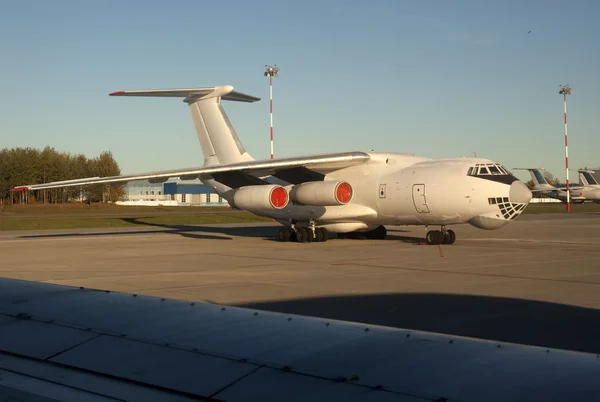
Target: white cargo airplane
column 591, row 188
column 541, row 185
column 344, row 192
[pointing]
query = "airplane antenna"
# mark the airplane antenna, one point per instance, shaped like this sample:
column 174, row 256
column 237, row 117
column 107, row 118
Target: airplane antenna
column 564, row 91
column 272, row 71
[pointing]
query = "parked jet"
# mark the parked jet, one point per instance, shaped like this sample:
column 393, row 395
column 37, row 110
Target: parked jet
column 343, row 192
column 541, row 185
column 591, row 188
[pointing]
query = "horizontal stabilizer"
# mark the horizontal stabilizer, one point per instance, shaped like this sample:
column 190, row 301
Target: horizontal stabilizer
column 226, row 92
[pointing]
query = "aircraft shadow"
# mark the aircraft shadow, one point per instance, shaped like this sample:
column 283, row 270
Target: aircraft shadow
column 209, row 232
column 528, row 322
column 190, row 231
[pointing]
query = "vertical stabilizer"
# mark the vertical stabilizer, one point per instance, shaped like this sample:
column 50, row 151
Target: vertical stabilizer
column 539, row 181
column 586, row 178
column 219, row 142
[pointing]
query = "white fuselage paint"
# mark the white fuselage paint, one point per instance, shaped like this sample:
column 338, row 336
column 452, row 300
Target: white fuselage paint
column 402, row 189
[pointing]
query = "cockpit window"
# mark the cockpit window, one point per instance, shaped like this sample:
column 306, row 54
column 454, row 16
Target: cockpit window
column 494, row 170
column 487, row 169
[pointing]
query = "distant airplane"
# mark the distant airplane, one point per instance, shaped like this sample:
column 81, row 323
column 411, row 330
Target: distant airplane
column 591, row 187
column 345, row 193
column 541, row 185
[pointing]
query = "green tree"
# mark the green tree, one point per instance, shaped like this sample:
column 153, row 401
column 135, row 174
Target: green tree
column 23, row 166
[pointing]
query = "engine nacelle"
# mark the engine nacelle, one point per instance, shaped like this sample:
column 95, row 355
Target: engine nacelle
column 267, row 197
column 322, row 193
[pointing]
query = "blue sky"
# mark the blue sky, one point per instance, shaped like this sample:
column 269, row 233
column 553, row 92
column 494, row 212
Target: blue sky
column 435, row 78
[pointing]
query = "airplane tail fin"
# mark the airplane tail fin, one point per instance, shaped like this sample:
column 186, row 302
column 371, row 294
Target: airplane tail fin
column 219, row 142
column 539, row 181
column 586, row 178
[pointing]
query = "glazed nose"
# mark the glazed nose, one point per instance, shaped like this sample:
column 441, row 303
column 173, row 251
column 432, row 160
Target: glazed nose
column 519, row 193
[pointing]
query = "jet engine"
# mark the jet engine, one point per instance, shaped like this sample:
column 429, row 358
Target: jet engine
column 271, row 196
column 321, row 193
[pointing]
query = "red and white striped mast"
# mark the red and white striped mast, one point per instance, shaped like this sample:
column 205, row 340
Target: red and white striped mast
column 564, row 91
column 272, row 71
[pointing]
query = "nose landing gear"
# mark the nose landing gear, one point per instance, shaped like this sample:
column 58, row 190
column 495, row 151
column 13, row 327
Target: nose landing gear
column 441, row 236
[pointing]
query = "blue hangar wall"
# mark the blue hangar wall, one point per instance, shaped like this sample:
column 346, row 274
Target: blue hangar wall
column 192, row 194
column 178, row 188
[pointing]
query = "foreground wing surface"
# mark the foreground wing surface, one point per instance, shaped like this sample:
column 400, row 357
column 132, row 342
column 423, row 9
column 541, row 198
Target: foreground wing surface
column 305, row 168
column 116, row 346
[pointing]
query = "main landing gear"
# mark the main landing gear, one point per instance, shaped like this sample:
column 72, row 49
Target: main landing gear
column 441, row 236
column 303, row 234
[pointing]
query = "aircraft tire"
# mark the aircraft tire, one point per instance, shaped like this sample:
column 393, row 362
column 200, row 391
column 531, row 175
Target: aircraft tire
column 309, row 235
column 435, row 237
column 303, row 235
column 325, row 234
column 449, row 237
column 284, row 234
column 431, row 237
column 318, row 235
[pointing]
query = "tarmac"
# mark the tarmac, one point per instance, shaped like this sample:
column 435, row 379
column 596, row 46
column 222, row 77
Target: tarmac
column 535, row 281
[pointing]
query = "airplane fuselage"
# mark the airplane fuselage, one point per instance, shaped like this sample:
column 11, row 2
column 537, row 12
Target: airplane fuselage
column 588, row 193
column 403, row 189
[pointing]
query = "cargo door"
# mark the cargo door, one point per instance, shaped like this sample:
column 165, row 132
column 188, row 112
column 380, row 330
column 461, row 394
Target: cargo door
column 419, row 198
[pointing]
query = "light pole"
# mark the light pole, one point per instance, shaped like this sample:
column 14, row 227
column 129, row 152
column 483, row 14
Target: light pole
column 272, row 71
column 564, row 91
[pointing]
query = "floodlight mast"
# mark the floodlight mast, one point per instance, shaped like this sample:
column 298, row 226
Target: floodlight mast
column 564, row 91
column 272, row 71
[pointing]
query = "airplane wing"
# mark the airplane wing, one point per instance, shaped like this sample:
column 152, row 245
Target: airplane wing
column 293, row 170
column 570, row 188
column 74, row 344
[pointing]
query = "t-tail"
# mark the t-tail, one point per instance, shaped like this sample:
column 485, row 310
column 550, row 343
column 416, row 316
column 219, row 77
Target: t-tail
column 539, row 181
column 586, row 178
column 219, row 142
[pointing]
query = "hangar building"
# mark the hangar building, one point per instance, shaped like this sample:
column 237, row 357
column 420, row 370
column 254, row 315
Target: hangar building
column 173, row 193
